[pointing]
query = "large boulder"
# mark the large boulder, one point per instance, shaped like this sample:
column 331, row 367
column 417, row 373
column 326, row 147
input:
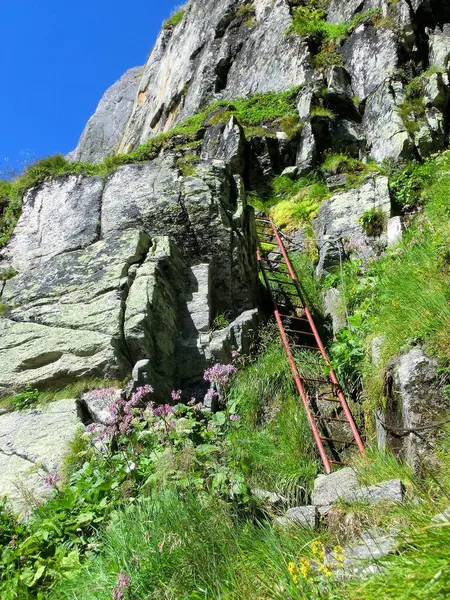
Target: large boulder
column 134, row 268
column 338, row 227
column 415, row 401
column 385, row 131
column 439, row 40
column 105, row 128
column 33, row 444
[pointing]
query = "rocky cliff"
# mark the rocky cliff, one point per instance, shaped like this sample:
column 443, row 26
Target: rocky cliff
column 136, row 262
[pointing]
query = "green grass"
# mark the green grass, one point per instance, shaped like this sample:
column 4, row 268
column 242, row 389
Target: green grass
column 176, row 547
column 174, row 19
column 276, row 445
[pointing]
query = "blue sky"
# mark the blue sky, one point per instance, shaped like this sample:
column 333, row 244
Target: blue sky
column 56, row 60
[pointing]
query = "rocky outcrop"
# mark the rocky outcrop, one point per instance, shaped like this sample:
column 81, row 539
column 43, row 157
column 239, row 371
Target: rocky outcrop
column 33, row 444
column 133, row 268
column 215, row 52
column 105, row 128
column 338, row 226
column 415, row 406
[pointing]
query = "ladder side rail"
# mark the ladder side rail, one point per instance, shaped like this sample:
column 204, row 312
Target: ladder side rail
column 332, row 374
column 298, row 383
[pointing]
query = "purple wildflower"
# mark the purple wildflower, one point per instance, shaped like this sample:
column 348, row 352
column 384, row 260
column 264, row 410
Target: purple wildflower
column 52, row 479
column 123, row 582
column 234, row 353
column 92, row 428
column 219, row 374
column 176, row 395
column 235, row 418
column 164, row 410
column 192, row 401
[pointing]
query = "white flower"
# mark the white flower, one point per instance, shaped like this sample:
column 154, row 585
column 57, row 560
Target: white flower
column 130, row 466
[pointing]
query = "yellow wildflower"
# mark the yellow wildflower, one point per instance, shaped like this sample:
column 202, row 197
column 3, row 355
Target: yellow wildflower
column 305, row 567
column 293, row 572
column 338, row 553
column 318, row 549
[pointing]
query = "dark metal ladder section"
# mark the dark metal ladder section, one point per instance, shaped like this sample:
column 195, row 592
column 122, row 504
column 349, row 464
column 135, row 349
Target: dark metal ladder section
column 299, row 334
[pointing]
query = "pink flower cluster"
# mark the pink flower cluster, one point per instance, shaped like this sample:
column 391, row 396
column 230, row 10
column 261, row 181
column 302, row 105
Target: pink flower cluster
column 219, row 374
column 52, row 479
column 123, row 582
column 103, row 393
column 164, row 411
column 121, row 412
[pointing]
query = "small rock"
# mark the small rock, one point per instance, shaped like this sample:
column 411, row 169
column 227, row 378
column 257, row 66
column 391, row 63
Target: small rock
column 337, row 181
column 329, row 488
column 394, row 231
column 392, row 491
column 290, row 172
column 443, row 517
column 305, row 516
column 271, row 498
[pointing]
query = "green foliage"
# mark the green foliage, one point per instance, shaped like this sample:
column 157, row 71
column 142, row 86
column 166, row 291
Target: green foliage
column 26, row 399
column 8, row 273
column 373, row 222
column 187, row 164
column 325, row 113
column 173, row 20
column 220, row 321
column 293, row 203
column 412, row 110
column 341, row 163
column 309, row 20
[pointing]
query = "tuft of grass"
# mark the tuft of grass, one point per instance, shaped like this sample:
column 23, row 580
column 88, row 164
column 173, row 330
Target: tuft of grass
column 179, row 547
column 275, row 442
column 320, row 111
column 373, row 222
column 174, row 19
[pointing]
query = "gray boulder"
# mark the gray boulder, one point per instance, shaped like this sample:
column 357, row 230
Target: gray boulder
column 415, row 400
column 341, row 484
column 385, row 131
column 33, row 444
column 370, row 55
column 439, row 41
column 337, row 226
column 106, row 127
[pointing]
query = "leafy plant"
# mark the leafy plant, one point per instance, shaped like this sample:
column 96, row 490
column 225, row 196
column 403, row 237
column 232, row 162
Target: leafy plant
column 373, row 222
column 8, row 273
column 26, row 399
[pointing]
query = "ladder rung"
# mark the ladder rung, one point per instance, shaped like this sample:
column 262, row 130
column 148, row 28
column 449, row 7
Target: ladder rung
column 327, row 439
column 307, row 362
column 299, row 332
column 294, row 318
column 303, row 346
column 331, row 419
column 318, row 380
column 337, row 462
column 271, row 252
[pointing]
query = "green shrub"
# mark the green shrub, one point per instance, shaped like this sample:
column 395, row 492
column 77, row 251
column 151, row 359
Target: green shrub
column 373, row 222
column 8, row 273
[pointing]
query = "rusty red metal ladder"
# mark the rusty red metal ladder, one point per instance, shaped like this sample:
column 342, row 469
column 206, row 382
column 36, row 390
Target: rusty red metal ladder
column 303, row 346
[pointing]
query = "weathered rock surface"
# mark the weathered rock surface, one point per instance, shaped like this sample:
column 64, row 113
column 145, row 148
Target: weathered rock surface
column 303, row 516
column 133, row 269
column 106, row 127
column 414, row 400
column 337, row 226
column 33, row 444
column 213, row 53
column 344, row 485
column 440, row 47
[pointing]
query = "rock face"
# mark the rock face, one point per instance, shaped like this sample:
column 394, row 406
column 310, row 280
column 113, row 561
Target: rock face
column 215, row 52
column 105, row 128
column 415, row 400
column 105, row 282
column 338, row 225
